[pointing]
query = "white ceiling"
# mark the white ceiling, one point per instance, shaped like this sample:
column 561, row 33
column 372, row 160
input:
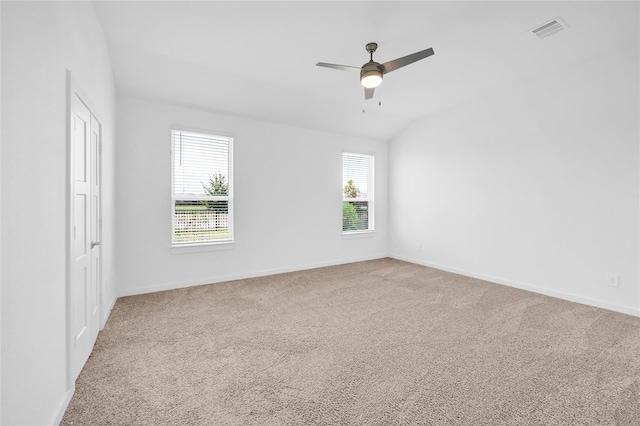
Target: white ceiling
column 257, row 59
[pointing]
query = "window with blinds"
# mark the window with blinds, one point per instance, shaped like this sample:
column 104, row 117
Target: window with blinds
column 357, row 193
column 202, row 188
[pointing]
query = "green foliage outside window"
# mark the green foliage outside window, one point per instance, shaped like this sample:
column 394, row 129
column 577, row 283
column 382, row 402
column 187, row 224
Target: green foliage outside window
column 355, row 214
column 350, row 190
column 217, row 185
column 349, row 217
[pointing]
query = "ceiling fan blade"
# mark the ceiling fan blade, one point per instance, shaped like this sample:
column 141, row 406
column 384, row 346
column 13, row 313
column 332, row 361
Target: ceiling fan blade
column 406, row 60
column 338, row 67
column 368, row 92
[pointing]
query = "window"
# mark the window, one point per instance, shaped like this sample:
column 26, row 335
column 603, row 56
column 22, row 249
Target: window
column 357, row 192
column 202, row 188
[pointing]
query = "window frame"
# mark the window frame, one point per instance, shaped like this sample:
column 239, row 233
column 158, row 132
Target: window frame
column 370, row 198
column 230, row 241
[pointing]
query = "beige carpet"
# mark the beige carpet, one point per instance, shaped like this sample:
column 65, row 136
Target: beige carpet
column 382, row 342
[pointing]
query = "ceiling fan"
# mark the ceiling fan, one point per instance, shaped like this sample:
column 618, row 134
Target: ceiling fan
column 371, row 73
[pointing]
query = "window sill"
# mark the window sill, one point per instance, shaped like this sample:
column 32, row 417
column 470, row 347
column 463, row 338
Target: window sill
column 358, row 234
column 197, row 248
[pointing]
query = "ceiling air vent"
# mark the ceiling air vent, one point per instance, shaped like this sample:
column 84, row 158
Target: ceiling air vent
column 550, row 28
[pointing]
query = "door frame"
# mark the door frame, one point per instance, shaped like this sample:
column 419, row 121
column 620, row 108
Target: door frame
column 73, row 89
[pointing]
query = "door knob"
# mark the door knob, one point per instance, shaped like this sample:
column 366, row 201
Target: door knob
column 95, row 243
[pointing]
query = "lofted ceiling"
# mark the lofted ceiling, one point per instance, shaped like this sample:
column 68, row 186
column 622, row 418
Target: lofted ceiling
column 257, row 59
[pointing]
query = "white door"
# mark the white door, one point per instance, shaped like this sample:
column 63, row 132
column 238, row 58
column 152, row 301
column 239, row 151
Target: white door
column 84, row 292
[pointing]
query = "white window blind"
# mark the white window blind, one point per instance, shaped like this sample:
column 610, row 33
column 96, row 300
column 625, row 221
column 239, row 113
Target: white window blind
column 357, row 192
column 202, row 188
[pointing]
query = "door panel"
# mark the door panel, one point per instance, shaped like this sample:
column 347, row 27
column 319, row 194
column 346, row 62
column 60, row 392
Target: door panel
column 79, row 317
column 80, row 228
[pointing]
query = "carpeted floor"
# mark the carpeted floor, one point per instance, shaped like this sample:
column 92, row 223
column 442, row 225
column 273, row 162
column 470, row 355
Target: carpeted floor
column 383, row 342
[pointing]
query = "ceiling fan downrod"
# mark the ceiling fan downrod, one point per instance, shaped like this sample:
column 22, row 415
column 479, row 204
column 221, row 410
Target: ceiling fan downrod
column 371, row 47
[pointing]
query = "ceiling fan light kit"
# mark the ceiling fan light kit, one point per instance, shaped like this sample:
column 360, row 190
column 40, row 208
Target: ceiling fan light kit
column 370, row 78
column 372, row 72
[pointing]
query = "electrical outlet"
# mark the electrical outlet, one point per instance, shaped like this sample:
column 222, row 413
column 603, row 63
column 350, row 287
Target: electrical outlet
column 613, row 280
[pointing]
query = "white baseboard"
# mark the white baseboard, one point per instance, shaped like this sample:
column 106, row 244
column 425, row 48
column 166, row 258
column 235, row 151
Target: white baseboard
column 529, row 287
column 63, row 407
column 240, row 276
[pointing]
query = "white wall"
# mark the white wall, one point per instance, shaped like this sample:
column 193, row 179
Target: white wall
column 40, row 41
column 287, row 199
column 536, row 187
column 0, row 232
